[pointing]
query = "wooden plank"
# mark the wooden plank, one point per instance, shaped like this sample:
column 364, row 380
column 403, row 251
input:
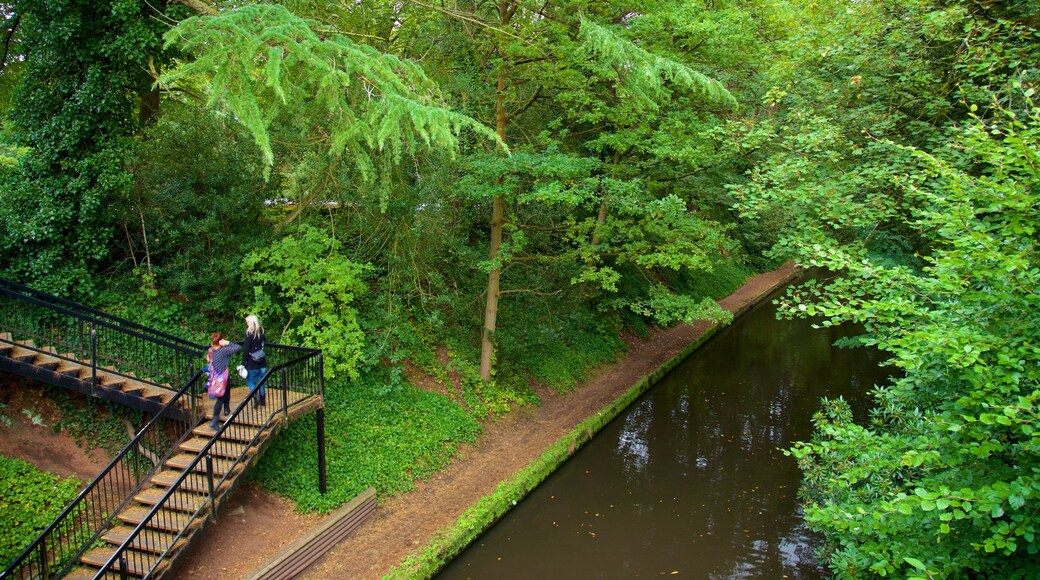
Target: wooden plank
column 138, row 563
column 180, row 501
column 224, row 449
column 163, row 519
column 147, row 541
column 301, row 554
column 181, row 461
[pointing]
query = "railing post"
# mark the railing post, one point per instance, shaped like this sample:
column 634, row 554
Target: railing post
column 321, row 449
column 209, row 481
column 321, row 375
column 122, row 567
column 43, row 559
column 93, row 360
column 285, row 392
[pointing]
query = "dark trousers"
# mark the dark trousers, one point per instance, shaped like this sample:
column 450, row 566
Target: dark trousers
column 221, row 401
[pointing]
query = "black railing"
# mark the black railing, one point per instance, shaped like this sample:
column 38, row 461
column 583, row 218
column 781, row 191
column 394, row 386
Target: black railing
column 300, row 377
column 82, row 335
column 79, row 334
column 56, row 551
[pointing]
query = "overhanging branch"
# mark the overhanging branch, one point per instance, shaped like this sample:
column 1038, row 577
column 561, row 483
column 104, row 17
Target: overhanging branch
column 199, row 6
column 7, row 39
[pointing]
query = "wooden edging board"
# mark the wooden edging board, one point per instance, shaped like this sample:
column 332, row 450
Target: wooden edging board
column 295, row 558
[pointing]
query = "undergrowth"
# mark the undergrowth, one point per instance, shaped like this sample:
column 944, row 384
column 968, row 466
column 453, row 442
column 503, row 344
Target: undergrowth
column 29, row 500
column 374, row 438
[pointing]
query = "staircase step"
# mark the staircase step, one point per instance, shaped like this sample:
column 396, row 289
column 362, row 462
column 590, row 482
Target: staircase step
column 47, row 361
column 224, row 449
column 138, row 563
column 183, row 460
column 234, row 432
column 178, row 501
column 110, row 380
column 168, row 520
column 195, row 482
column 88, row 573
column 21, row 354
column 72, row 369
column 147, row 541
column 155, row 393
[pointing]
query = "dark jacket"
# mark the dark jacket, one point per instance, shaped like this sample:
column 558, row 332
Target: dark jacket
column 251, row 344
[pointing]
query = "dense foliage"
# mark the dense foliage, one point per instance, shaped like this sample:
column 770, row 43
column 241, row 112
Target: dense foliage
column 487, row 196
column 914, row 173
column 30, row 500
column 77, row 109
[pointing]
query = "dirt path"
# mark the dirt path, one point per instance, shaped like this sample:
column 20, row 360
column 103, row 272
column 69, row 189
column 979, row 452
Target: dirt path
column 241, row 544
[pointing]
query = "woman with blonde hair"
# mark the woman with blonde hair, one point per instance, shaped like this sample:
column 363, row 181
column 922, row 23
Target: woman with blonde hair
column 254, row 359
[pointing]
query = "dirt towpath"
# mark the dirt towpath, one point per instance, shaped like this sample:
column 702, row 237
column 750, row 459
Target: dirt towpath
column 256, row 525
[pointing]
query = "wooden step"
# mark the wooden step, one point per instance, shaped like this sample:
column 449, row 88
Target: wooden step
column 178, row 501
column 110, row 380
column 88, row 573
column 168, row 520
column 147, row 541
column 138, row 563
column 224, row 449
column 195, row 482
column 72, row 369
column 46, row 361
column 234, row 432
column 155, row 393
column 183, row 460
column 21, row 354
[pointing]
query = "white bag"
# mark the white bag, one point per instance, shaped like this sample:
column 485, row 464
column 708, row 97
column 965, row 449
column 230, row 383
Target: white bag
column 242, row 372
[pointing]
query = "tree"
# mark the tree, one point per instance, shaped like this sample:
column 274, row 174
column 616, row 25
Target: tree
column 527, row 58
column 551, row 69
column 76, row 110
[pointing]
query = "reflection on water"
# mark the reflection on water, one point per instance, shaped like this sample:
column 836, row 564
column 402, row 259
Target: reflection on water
column 691, row 479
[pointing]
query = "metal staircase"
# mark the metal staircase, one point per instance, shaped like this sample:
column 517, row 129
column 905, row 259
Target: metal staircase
column 136, row 519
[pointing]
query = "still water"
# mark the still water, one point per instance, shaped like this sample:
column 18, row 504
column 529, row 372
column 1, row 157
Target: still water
column 689, row 481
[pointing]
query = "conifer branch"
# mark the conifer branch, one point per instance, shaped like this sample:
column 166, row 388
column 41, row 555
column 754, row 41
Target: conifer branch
column 643, row 74
column 466, row 18
column 261, row 62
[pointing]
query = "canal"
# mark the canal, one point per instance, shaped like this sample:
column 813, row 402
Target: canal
column 691, row 479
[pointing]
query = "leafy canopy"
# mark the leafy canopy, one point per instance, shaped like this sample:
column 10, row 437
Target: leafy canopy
column 263, row 64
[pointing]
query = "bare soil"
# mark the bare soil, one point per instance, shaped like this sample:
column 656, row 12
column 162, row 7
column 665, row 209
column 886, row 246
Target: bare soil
column 256, row 525
column 31, row 437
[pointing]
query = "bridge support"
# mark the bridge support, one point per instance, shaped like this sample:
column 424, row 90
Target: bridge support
column 321, row 449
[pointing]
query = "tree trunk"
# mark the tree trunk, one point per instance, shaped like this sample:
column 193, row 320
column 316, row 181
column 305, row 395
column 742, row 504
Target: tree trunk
column 498, row 210
column 487, row 346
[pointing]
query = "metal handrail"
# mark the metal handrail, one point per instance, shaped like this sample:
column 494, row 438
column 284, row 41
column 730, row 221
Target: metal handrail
column 66, row 538
column 206, row 454
column 15, row 289
column 83, row 336
column 73, row 510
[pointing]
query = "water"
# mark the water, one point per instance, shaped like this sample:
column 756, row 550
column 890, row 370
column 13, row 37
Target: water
column 690, row 480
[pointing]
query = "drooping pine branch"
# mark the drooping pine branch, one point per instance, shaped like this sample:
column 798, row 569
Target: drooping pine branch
column 262, row 63
column 643, row 74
